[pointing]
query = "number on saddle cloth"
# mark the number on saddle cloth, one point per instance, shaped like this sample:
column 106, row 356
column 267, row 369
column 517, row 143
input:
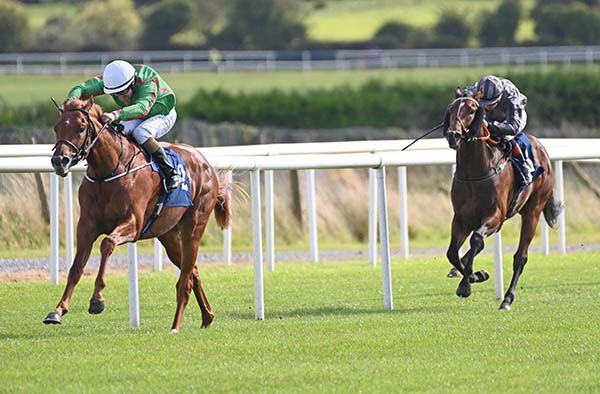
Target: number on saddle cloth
column 179, row 197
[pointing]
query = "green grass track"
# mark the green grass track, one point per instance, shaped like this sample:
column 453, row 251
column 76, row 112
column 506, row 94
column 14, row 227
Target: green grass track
column 325, row 331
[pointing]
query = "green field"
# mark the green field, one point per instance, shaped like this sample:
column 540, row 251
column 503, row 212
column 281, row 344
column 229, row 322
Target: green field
column 325, row 331
column 354, row 20
column 24, row 88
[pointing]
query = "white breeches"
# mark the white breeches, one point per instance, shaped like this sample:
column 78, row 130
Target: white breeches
column 156, row 126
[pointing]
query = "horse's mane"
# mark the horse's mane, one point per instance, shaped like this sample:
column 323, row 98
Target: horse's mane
column 76, row 103
column 477, row 123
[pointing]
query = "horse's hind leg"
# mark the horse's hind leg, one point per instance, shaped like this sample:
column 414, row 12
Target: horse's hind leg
column 528, row 226
column 173, row 246
column 207, row 313
column 192, row 228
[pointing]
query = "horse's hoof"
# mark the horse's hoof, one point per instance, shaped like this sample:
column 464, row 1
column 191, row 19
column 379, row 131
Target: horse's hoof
column 479, row 276
column 53, row 318
column 505, row 306
column 96, row 307
column 463, row 291
column 174, row 331
column 207, row 320
column 454, row 273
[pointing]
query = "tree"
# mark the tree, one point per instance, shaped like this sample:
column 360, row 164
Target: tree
column 15, row 32
column 499, row 28
column 167, row 19
column 402, row 35
column 262, row 24
column 58, row 34
column 452, row 31
column 109, row 25
column 568, row 24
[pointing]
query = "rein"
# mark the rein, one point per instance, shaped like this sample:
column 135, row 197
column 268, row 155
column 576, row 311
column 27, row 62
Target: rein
column 495, row 171
column 84, row 151
column 486, row 138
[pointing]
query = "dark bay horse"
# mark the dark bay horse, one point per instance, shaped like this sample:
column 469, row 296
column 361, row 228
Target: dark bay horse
column 482, row 193
column 118, row 196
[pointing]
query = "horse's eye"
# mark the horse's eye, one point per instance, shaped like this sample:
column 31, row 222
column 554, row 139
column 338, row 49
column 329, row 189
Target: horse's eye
column 81, row 129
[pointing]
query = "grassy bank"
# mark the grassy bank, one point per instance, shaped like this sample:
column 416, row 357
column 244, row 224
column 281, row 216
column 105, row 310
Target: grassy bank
column 325, row 330
column 342, row 211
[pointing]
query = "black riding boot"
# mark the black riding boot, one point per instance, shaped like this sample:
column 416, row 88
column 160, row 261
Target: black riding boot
column 172, row 178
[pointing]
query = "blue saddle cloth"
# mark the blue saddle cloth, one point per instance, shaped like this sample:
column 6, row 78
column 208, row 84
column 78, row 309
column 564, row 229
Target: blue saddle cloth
column 527, row 149
column 179, row 197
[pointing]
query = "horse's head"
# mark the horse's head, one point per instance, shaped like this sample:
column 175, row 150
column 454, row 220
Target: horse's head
column 75, row 131
column 463, row 119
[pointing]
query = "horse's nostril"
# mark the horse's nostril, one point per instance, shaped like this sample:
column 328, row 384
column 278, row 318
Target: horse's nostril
column 65, row 161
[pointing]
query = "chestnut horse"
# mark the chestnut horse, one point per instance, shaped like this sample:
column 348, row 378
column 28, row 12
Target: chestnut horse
column 482, row 193
column 118, row 196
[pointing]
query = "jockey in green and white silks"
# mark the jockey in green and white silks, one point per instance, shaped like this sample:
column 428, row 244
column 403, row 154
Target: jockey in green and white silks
column 505, row 113
column 147, row 107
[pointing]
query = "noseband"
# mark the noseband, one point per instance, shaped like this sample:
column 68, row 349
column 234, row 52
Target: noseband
column 465, row 132
column 89, row 141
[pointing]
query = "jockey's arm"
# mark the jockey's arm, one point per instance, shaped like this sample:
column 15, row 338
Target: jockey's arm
column 146, row 97
column 515, row 121
column 90, row 88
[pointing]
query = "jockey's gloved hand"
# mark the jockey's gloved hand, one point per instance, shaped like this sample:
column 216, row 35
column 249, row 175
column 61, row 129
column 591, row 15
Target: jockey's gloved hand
column 110, row 117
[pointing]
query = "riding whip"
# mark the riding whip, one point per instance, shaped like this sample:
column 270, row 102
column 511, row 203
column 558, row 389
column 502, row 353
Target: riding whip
column 57, row 107
column 424, row 135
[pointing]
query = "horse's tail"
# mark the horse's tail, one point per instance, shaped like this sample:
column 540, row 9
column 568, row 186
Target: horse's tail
column 552, row 211
column 223, row 207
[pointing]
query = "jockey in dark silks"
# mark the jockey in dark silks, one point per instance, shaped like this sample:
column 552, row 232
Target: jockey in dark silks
column 505, row 115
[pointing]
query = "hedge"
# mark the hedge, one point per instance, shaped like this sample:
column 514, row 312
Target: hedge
column 554, row 98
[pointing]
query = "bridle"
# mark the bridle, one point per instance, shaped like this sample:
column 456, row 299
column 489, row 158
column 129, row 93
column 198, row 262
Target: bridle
column 466, row 135
column 90, row 140
column 91, row 137
column 465, row 132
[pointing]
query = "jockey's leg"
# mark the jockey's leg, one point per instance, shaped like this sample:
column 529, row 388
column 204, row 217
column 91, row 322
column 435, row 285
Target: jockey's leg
column 172, row 178
column 526, row 163
column 146, row 133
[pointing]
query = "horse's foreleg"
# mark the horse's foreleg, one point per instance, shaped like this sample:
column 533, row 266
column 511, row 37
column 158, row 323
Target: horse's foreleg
column 123, row 233
column 85, row 241
column 528, row 226
column 457, row 238
column 477, row 244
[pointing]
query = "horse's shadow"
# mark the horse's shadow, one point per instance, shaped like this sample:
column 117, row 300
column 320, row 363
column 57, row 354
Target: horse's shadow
column 328, row 311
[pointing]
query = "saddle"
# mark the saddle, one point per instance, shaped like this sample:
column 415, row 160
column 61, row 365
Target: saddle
column 519, row 150
column 179, row 197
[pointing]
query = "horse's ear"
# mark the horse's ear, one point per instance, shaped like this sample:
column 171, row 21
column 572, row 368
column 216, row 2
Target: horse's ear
column 457, row 92
column 478, row 95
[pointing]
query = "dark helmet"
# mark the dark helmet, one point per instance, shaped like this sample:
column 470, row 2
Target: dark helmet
column 491, row 87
